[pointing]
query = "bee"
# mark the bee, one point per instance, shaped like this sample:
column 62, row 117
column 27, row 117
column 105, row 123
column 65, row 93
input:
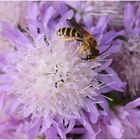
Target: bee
column 88, row 48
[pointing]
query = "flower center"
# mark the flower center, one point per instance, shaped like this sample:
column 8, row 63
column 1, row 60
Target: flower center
column 57, row 76
column 56, row 81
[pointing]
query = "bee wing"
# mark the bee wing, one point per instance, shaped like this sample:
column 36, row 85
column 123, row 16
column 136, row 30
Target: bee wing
column 77, row 26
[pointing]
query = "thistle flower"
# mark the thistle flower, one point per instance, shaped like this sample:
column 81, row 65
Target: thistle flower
column 128, row 67
column 51, row 86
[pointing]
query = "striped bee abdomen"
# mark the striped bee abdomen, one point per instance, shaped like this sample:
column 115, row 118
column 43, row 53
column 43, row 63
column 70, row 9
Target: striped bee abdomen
column 69, row 32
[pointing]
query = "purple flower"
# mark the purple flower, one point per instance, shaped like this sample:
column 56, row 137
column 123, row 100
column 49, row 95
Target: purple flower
column 129, row 115
column 121, row 122
column 52, row 88
column 17, row 11
column 89, row 12
column 109, row 126
column 128, row 67
column 10, row 127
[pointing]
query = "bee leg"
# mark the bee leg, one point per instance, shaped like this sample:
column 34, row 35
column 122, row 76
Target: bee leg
column 72, row 38
column 69, row 39
column 88, row 52
column 82, row 51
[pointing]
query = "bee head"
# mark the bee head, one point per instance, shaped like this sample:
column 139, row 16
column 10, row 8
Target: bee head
column 94, row 51
column 92, row 54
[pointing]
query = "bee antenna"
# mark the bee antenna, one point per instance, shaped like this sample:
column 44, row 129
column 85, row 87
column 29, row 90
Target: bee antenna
column 106, row 49
column 120, row 37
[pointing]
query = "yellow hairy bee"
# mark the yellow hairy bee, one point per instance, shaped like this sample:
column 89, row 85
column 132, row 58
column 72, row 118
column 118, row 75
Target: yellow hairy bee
column 88, row 47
